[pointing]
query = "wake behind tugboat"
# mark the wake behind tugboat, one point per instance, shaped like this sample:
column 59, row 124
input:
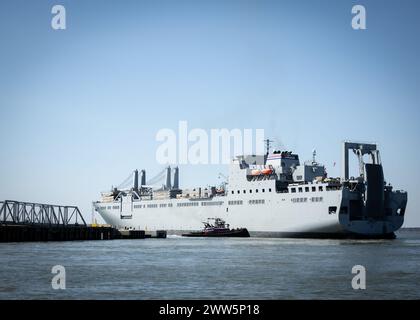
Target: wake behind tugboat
column 218, row 229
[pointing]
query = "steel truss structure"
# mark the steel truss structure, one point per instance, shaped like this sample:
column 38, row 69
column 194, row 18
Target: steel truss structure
column 38, row 213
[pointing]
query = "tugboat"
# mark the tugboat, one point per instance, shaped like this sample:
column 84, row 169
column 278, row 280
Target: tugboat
column 218, row 229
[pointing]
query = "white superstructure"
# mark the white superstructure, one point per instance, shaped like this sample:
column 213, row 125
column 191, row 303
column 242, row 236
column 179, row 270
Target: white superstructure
column 273, row 194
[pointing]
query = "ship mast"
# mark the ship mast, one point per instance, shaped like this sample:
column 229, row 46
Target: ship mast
column 267, row 145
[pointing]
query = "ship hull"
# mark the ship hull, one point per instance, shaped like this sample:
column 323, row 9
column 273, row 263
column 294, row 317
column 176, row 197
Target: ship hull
column 305, row 215
column 276, row 213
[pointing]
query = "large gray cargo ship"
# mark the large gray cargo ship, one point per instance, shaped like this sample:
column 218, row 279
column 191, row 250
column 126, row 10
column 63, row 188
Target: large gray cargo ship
column 272, row 194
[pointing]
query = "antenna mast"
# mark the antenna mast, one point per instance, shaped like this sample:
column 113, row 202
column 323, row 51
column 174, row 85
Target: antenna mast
column 267, row 145
column 313, row 155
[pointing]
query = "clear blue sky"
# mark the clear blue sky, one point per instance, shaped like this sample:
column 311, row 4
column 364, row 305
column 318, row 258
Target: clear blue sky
column 80, row 108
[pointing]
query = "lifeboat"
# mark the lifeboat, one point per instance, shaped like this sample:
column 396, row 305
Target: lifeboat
column 255, row 172
column 267, row 171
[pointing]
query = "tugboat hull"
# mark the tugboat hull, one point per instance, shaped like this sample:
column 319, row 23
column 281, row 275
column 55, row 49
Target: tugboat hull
column 238, row 233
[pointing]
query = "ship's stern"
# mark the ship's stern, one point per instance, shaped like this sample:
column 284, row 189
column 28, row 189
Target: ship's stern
column 371, row 209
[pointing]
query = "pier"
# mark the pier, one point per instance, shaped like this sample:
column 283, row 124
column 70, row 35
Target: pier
column 25, row 221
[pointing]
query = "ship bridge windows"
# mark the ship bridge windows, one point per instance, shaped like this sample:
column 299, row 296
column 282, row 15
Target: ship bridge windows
column 306, row 189
column 313, row 189
column 235, row 202
column 250, row 190
column 300, row 189
column 256, row 190
column 269, row 190
column 321, row 188
column 263, row 190
column 293, row 190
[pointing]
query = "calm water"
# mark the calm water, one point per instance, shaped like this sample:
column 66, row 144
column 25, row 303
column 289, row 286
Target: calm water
column 182, row 268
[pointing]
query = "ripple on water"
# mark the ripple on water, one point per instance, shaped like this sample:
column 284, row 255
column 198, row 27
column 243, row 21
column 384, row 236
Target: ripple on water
column 192, row 268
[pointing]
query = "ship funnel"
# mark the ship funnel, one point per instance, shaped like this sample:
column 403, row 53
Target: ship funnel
column 143, row 177
column 136, row 180
column 168, row 178
column 176, row 179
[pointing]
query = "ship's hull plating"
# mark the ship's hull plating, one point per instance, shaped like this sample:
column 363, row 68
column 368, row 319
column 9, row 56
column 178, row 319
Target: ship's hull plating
column 312, row 214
